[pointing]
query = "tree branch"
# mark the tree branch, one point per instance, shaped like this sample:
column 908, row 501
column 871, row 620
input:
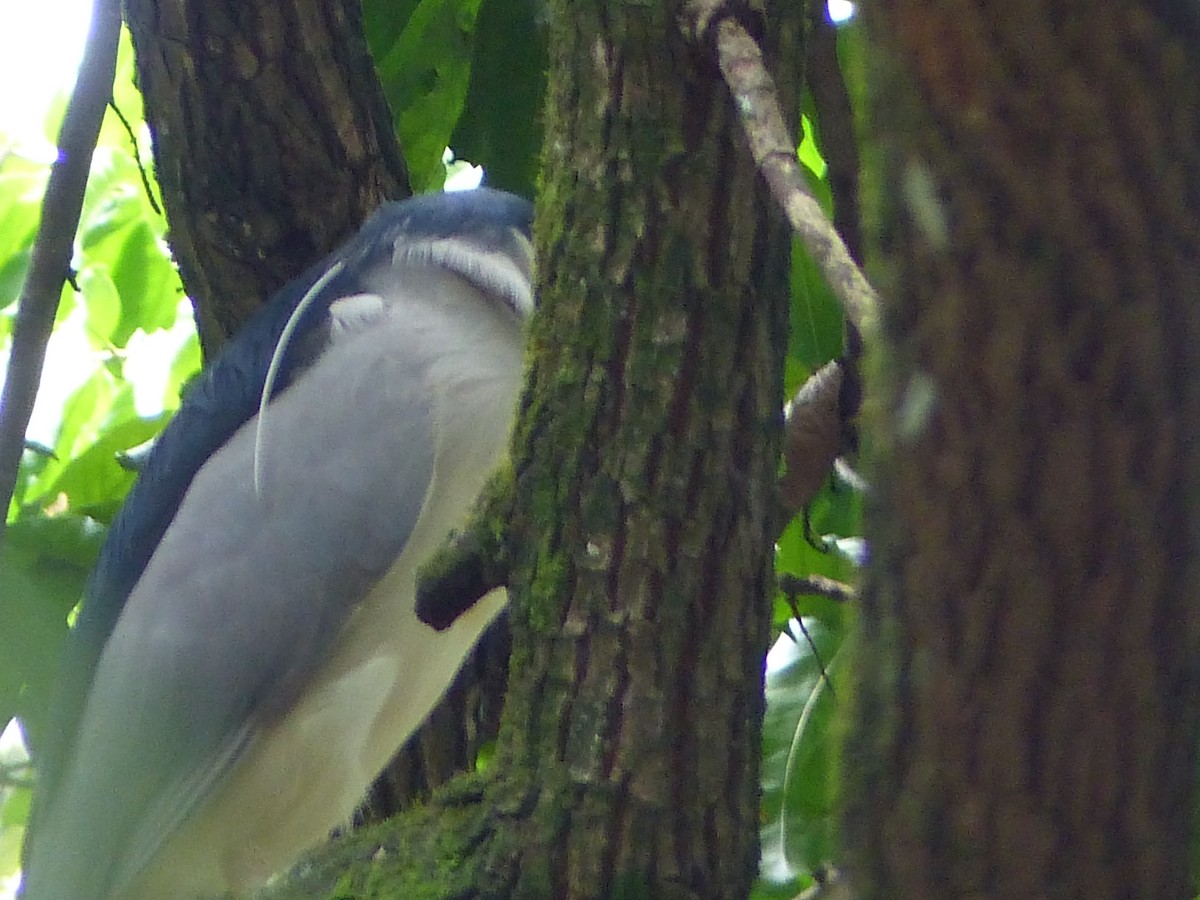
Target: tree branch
column 817, row 586
column 472, row 563
column 839, row 147
column 52, row 247
column 774, row 153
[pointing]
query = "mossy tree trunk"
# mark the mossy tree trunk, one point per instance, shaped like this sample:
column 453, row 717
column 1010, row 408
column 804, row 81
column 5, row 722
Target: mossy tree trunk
column 1026, row 706
column 646, row 459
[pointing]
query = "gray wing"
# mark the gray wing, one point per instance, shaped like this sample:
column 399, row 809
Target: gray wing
column 245, row 594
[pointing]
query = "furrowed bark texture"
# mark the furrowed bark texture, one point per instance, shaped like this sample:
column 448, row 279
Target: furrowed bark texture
column 1025, row 718
column 271, row 136
column 647, row 455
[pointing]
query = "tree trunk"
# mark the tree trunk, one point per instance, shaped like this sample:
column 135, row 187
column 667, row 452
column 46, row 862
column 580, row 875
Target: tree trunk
column 271, row 137
column 646, row 460
column 1026, row 710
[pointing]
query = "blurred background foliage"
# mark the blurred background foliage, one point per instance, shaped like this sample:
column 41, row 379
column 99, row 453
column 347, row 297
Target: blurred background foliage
column 468, row 75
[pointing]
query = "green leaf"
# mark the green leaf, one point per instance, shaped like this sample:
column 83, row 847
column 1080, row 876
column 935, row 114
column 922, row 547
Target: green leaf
column 46, row 561
column 83, row 419
column 501, row 126
column 101, row 301
column 816, row 318
column 800, row 765
column 81, row 415
column 146, row 282
column 111, row 205
column 15, row 809
column 14, row 812
column 383, row 23
column 185, row 366
column 425, row 72
column 94, row 482
column 22, row 182
column 128, row 99
column 810, row 152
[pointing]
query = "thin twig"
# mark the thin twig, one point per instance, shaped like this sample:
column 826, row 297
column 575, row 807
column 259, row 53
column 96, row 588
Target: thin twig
column 812, row 645
column 774, row 152
column 51, row 254
column 818, row 586
column 137, row 156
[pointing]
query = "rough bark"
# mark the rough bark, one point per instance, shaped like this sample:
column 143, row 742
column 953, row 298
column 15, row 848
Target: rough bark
column 1027, row 699
column 271, row 137
column 646, row 460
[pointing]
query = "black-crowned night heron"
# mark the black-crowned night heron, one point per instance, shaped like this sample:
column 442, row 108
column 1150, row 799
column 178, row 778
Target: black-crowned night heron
column 247, row 657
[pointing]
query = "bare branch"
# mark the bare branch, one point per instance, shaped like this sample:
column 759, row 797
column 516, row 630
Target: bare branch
column 137, row 156
column 774, row 151
column 817, row 586
column 52, row 247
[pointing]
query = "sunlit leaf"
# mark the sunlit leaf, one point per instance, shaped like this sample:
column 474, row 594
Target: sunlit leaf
column 21, row 185
column 146, row 282
column 810, row 152
column 183, row 369
column 82, row 418
column 102, row 302
column 45, row 564
column 94, row 481
column 425, row 73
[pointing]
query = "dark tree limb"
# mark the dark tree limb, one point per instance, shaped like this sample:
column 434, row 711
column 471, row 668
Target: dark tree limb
column 839, row 147
column 271, row 136
column 52, row 247
column 1026, row 699
column 835, row 113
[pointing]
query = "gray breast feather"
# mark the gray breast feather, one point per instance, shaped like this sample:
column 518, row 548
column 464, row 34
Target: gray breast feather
column 245, row 593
